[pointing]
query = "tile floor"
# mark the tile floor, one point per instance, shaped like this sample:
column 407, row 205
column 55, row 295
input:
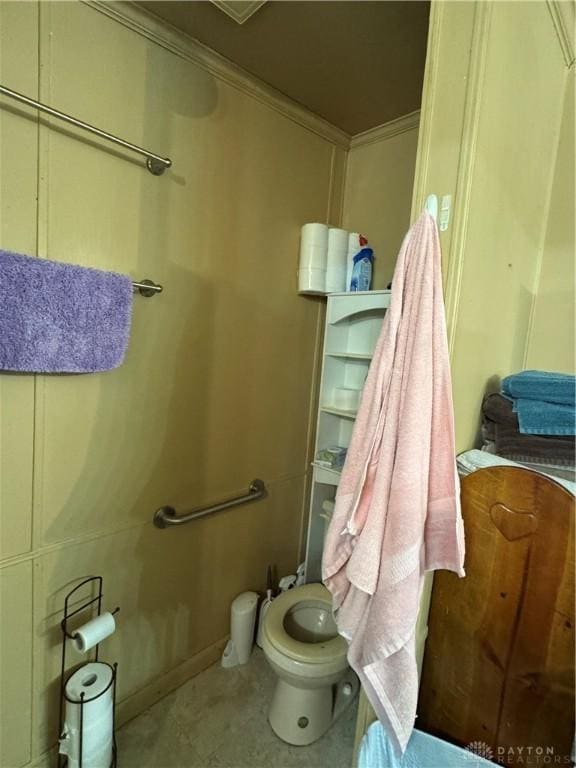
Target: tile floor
column 218, row 720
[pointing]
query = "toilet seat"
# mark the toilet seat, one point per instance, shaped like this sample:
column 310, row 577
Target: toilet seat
column 321, row 652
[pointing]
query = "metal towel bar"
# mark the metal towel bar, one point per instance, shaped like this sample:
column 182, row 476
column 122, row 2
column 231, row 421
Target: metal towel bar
column 155, row 164
column 147, row 288
column 167, row 516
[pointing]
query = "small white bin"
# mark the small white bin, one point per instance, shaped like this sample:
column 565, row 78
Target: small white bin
column 242, row 624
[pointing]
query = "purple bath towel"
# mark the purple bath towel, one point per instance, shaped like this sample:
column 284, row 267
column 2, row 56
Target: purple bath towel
column 61, row 318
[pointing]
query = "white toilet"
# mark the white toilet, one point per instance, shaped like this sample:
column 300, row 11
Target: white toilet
column 315, row 683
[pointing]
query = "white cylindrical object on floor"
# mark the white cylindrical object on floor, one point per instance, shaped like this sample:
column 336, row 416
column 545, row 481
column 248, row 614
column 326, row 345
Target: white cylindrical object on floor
column 94, row 680
column 242, row 625
column 312, row 281
column 93, row 632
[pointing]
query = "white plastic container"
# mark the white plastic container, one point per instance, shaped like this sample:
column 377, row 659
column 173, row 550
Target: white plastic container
column 242, row 624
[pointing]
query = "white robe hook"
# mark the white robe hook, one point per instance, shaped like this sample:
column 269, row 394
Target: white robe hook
column 432, row 206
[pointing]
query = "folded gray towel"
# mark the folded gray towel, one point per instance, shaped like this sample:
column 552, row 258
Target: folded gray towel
column 500, row 425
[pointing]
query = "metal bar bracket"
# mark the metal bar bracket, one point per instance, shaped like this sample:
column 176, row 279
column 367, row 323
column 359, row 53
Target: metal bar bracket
column 147, row 288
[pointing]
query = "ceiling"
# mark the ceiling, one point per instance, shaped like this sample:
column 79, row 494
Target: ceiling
column 356, row 64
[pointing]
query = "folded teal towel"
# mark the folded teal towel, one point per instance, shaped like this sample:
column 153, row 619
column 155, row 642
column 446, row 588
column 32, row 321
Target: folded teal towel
column 536, row 417
column 545, row 402
column 541, row 385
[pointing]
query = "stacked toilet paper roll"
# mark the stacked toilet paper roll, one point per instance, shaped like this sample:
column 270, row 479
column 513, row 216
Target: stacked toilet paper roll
column 94, row 680
column 313, row 258
column 326, row 258
column 336, row 260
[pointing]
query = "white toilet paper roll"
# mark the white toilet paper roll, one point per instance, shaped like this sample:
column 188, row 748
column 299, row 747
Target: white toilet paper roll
column 94, row 680
column 314, row 234
column 313, row 257
column 337, row 245
column 336, row 280
column 312, row 281
column 336, row 260
column 313, row 246
column 93, row 632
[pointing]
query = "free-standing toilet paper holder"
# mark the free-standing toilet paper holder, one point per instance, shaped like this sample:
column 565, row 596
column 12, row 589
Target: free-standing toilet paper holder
column 67, row 635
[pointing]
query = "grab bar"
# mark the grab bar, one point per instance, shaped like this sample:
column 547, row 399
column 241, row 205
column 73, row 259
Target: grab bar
column 155, row 163
column 167, row 516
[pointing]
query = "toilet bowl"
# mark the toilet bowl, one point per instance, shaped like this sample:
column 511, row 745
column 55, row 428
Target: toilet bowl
column 302, row 645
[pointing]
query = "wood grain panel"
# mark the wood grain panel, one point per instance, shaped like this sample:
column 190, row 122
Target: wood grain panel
column 499, row 664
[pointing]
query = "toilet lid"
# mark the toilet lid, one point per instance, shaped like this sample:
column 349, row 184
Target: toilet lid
column 318, row 652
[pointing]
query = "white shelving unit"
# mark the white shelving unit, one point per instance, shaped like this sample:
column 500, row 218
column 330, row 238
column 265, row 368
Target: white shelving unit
column 353, row 324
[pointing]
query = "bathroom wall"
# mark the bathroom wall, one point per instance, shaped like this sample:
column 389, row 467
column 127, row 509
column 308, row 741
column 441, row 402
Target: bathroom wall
column 551, row 344
column 216, row 388
column 378, row 190
column 494, row 96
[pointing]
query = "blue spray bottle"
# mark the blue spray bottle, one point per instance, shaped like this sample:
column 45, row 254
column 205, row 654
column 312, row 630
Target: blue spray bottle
column 362, row 270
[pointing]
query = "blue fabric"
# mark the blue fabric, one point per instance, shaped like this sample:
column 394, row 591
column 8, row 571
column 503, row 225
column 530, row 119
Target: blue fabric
column 537, row 417
column 544, row 401
column 423, row 751
column 541, row 385
column 61, row 318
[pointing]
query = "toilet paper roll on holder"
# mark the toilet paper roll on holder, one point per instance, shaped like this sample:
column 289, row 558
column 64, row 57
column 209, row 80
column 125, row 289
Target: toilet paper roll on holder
column 88, row 603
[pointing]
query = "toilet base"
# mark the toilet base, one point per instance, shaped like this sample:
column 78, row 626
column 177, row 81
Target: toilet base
column 301, row 716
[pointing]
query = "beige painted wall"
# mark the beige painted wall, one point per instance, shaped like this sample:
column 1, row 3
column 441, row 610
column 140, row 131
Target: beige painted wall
column 378, row 191
column 216, row 387
column 551, row 344
column 491, row 141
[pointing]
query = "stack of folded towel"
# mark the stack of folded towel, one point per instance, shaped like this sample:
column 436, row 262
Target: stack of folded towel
column 533, row 419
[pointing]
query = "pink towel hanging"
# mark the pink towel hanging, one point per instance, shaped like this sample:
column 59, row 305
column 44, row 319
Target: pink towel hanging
column 397, row 512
